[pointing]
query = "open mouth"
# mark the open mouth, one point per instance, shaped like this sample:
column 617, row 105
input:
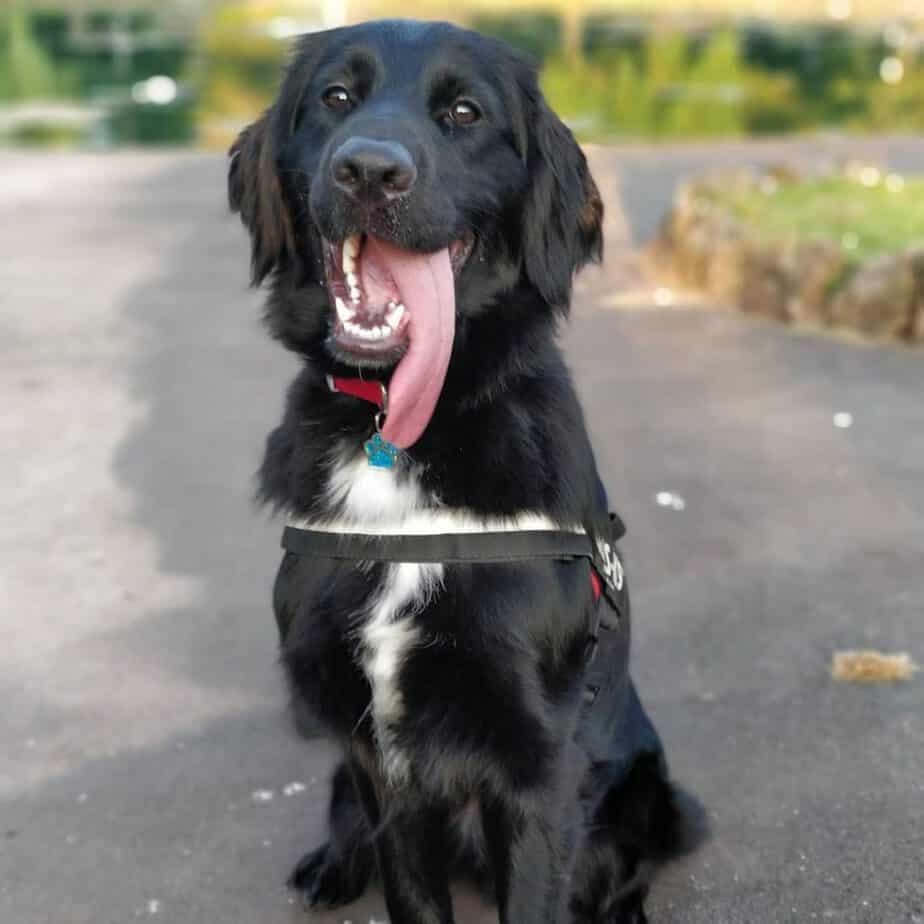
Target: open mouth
column 372, row 317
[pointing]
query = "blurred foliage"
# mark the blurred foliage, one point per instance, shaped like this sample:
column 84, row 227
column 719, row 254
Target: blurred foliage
column 672, row 87
column 45, row 135
column 39, row 61
column 80, row 70
column 537, row 34
column 240, row 66
column 26, row 70
column 887, row 107
column 884, row 215
column 133, row 123
column 635, row 77
column 732, row 82
column 632, row 75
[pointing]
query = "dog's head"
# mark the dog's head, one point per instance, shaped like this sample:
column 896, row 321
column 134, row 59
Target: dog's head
column 408, row 179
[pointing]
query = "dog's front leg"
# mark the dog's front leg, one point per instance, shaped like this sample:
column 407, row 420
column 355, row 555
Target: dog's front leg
column 414, row 864
column 531, row 846
column 412, row 851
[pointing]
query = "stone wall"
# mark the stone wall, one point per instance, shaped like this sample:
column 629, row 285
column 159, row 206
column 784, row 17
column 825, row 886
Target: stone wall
column 701, row 245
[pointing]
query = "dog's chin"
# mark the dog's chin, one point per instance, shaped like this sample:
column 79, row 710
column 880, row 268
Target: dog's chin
column 346, row 351
column 369, row 326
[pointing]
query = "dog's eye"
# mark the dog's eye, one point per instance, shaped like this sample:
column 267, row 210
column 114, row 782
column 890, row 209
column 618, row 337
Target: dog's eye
column 337, row 98
column 464, row 112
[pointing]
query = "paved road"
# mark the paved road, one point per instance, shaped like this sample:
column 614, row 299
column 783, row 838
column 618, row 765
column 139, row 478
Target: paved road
column 146, row 761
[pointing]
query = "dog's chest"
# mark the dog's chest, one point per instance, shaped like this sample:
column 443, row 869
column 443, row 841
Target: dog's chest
column 388, row 631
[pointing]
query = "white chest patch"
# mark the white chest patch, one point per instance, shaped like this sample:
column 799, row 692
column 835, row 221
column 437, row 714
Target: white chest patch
column 388, row 636
column 369, row 495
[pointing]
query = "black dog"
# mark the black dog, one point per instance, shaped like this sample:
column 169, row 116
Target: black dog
column 420, row 213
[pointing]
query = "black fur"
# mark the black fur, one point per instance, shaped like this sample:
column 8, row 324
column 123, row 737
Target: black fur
column 566, row 821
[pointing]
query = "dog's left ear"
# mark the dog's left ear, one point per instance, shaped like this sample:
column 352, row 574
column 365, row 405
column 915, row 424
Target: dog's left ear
column 563, row 214
column 254, row 190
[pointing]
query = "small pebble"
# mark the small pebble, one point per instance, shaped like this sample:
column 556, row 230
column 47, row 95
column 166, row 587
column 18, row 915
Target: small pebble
column 843, row 420
column 263, row 795
column 870, row 176
column 768, row 185
column 663, row 297
column 153, row 906
column 82, row 798
column 671, row 500
column 293, row 789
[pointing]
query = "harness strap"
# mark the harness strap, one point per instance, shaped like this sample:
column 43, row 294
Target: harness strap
column 442, row 547
column 498, row 545
column 529, row 541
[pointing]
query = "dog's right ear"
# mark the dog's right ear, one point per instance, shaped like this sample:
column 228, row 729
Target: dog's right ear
column 254, row 190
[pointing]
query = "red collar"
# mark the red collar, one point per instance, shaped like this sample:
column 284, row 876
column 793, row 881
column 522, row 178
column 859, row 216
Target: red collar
column 374, row 392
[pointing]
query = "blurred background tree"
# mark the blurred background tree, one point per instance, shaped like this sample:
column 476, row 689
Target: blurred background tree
column 26, row 69
column 242, row 48
column 704, row 68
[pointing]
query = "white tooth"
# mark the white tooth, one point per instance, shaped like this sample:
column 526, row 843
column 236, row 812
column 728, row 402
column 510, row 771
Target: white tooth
column 355, row 295
column 350, row 253
column 352, row 280
column 395, row 315
column 343, row 311
column 381, row 332
column 351, row 328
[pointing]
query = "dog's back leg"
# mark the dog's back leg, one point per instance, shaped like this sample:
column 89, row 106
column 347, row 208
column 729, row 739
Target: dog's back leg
column 338, row 872
column 638, row 825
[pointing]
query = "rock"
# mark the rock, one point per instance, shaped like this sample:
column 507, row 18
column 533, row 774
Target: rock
column 689, row 235
column 814, row 269
column 879, row 298
column 915, row 258
column 746, row 274
column 917, row 324
column 701, row 244
column 784, row 173
column 693, row 248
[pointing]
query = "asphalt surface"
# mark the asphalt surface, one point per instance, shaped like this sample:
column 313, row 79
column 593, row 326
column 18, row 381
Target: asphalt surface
column 147, row 767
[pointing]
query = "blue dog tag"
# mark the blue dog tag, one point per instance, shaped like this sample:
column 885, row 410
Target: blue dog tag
column 381, row 453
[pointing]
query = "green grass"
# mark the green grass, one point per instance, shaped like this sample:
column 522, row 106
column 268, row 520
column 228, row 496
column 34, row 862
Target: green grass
column 866, row 220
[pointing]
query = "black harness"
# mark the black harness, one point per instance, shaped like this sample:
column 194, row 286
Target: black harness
column 609, row 623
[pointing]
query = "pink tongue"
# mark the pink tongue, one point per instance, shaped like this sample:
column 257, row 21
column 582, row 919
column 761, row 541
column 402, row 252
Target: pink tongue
column 427, row 289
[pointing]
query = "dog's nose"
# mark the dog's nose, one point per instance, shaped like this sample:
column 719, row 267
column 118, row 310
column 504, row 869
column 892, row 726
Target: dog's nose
column 373, row 170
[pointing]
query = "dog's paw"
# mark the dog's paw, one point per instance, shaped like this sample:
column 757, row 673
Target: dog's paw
column 322, row 880
column 620, row 915
column 628, row 910
column 628, row 914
